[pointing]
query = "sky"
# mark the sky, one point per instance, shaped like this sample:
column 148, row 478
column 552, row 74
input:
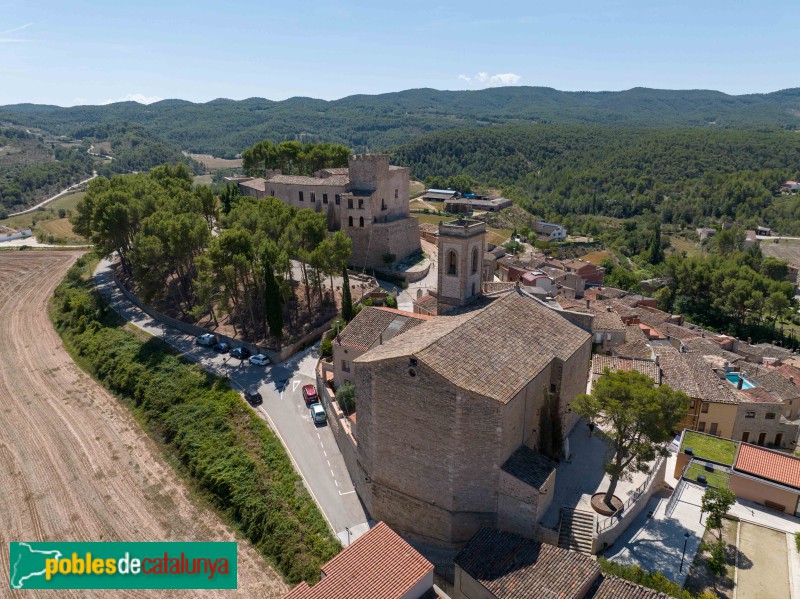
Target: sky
column 71, row 52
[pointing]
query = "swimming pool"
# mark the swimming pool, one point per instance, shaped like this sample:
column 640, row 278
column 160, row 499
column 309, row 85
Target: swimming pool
column 733, row 379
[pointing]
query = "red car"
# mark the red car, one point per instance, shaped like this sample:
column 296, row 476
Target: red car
column 310, row 394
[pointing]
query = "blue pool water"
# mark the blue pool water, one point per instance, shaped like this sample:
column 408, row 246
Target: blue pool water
column 733, row 379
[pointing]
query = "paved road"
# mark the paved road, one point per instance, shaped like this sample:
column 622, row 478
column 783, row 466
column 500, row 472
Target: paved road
column 69, row 189
column 313, row 449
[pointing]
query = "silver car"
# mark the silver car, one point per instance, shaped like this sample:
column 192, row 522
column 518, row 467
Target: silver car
column 259, row 360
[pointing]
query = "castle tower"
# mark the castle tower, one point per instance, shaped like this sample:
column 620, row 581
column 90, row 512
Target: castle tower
column 461, row 246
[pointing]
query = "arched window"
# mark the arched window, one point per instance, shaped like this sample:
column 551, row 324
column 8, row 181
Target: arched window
column 350, row 221
column 360, row 221
column 452, row 268
column 474, row 260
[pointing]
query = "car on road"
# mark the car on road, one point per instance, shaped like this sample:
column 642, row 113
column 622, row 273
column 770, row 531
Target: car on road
column 318, row 413
column 240, row 353
column 206, row 340
column 253, row 397
column 310, row 394
column 222, row 347
column 259, row 360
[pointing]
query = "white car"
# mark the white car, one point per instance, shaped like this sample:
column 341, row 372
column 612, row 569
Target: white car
column 317, row 413
column 259, row 360
column 207, row 340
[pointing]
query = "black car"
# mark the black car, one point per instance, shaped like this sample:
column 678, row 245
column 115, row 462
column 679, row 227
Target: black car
column 222, row 347
column 240, row 353
column 253, row 397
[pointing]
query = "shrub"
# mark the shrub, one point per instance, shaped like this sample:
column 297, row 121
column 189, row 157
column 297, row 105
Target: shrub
column 326, row 347
column 653, row 580
column 391, row 301
column 228, row 451
column 346, row 396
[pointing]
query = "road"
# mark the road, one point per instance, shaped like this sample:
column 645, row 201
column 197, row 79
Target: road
column 74, row 463
column 69, row 189
column 312, row 449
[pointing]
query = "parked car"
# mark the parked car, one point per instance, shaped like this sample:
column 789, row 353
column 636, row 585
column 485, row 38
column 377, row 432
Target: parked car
column 310, row 394
column 318, row 413
column 206, row 340
column 259, row 360
column 240, row 353
column 222, row 347
column 253, row 397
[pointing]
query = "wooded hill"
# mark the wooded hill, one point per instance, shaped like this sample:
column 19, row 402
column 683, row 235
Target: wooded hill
column 689, row 176
column 371, row 123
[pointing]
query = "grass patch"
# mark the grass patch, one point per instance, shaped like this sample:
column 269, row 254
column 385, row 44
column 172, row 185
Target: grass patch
column 652, row 580
column 217, row 440
column 710, row 448
column 714, row 479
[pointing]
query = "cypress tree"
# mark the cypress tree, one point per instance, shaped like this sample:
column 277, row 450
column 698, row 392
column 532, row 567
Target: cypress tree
column 656, row 252
column 274, row 303
column 347, row 299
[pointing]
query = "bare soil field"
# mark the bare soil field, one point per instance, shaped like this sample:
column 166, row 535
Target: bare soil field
column 212, row 163
column 785, row 249
column 74, row 464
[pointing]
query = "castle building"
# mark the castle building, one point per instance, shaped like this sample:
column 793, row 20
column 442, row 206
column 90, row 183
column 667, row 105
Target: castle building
column 368, row 200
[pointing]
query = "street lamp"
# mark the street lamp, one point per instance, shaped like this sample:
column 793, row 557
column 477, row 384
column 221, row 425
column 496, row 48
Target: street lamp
column 348, row 535
column 685, row 541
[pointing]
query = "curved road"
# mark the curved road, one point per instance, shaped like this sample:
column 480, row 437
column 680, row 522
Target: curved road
column 74, row 464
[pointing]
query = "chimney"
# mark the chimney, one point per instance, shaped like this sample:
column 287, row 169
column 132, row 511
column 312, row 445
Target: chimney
column 380, row 339
column 791, row 380
column 741, row 382
column 587, row 303
column 608, row 308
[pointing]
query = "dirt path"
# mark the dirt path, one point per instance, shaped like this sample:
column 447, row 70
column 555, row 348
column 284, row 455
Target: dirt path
column 74, row 465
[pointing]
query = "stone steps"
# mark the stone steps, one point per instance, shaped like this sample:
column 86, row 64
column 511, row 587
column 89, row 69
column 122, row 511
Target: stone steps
column 576, row 530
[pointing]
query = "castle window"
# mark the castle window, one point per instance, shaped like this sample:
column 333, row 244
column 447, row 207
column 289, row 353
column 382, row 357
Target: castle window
column 350, row 203
column 313, row 197
column 300, row 195
column 350, row 221
column 272, row 192
column 383, row 204
column 396, row 193
column 770, row 415
column 360, row 204
column 360, row 221
column 337, row 199
column 324, row 198
column 452, row 268
column 345, row 366
column 474, row 260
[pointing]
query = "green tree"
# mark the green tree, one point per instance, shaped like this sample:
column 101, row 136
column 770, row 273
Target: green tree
column 656, row 254
column 716, row 503
column 716, row 563
column 347, row 298
column 273, row 303
column 637, row 418
column 346, row 396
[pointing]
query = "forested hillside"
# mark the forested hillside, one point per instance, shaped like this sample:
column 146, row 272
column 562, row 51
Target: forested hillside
column 688, row 176
column 370, row 123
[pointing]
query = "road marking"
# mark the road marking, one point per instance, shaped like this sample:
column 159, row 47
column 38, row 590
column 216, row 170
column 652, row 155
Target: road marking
column 336, row 481
column 320, row 438
column 329, row 465
column 294, row 385
column 332, row 474
column 348, row 493
column 325, row 452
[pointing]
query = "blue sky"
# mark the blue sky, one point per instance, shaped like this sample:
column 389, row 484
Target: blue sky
column 90, row 52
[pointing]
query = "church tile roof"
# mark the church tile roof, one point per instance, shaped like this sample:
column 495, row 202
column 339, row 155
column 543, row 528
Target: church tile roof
column 373, row 324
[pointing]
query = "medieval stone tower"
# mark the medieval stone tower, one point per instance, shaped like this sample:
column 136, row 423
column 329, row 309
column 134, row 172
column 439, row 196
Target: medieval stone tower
column 461, row 246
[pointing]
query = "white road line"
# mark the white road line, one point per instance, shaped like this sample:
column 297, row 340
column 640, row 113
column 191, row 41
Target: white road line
column 348, row 493
column 332, row 474
column 336, row 481
column 320, row 438
column 329, row 464
column 325, row 452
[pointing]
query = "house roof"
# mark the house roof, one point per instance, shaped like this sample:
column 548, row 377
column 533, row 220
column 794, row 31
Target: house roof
column 373, row 324
column 614, row 363
column 771, row 465
column 759, row 395
column 257, row 184
column 689, row 372
column 514, row 335
column 770, row 380
column 510, row 566
column 635, row 345
column 332, row 181
column 378, row 565
column 611, row 587
column 607, row 321
column 529, row 466
column 764, row 350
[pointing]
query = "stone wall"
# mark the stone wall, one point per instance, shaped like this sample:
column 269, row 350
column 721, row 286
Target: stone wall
column 399, row 237
column 759, row 424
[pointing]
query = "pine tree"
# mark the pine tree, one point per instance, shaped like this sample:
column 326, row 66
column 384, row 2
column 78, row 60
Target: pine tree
column 273, row 303
column 656, row 251
column 347, row 299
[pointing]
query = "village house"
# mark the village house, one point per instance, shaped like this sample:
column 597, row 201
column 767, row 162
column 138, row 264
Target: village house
column 470, row 202
column 368, row 200
column 378, row 565
column 549, row 231
column 767, row 477
column 790, row 187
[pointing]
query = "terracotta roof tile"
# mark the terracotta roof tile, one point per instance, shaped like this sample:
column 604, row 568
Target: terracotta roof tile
column 472, row 348
column 771, row 465
column 379, row 565
column 635, row 345
column 607, row 321
column 611, row 587
column 510, row 566
column 691, row 373
column 374, row 323
column 771, row 380
column 614, row 363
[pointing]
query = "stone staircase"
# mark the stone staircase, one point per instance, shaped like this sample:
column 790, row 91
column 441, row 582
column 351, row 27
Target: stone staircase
column 576, row 530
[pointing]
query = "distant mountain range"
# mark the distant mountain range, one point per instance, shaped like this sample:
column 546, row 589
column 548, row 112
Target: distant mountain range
column 371, row 123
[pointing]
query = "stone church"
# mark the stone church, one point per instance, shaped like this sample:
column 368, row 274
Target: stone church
column 448, row 412
column 367, row 199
